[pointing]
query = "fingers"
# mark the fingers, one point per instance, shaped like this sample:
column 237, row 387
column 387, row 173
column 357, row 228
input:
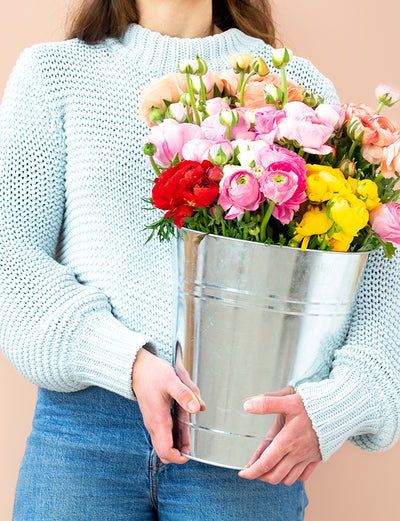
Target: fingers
column 183, row 395
column 267, row 461
column 270, row 404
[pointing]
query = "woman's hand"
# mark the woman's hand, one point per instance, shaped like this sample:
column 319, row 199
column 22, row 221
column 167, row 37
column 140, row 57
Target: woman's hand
column 155, row 384
column 291, row 450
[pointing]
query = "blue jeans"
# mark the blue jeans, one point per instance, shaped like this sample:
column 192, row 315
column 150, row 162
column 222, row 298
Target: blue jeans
column 89, row 458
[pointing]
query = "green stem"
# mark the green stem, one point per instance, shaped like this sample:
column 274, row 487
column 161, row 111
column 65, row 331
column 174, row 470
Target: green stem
column 284, row 87
column 228, row 132
column 192, row 99
column 155, row 167
column 244, row 86
column 381, row 105
column 268, row 213
column 241, row 80
column 202, row 90
column 189, row 117
column 223, row 228
column 352, row 149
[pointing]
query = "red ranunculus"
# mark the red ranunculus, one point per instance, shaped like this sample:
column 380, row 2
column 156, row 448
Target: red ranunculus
column 187, row 185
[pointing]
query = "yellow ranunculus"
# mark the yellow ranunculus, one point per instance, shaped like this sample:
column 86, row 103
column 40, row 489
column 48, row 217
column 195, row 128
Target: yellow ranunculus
column 349, row 212
column 367, row 191
column 340, row 241
column 241, row 62
column 314, row 222
column 324, row 182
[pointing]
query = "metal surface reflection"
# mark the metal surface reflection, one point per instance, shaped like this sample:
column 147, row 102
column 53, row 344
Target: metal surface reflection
column 252, row 319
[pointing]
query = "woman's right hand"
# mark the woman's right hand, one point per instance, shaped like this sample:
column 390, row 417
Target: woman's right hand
column 155, row 383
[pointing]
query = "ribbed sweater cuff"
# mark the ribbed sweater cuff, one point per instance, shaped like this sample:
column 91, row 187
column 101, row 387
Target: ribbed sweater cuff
column 339, row 408
column 105, row 352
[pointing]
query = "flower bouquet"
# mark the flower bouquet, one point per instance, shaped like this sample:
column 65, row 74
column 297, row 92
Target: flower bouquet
column 271, row 191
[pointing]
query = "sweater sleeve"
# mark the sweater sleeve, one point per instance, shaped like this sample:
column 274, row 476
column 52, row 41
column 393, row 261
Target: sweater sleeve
column 58, row 333
column 360, row 400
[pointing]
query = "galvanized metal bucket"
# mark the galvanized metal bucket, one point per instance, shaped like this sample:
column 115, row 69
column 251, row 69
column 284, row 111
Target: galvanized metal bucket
column 252, row 319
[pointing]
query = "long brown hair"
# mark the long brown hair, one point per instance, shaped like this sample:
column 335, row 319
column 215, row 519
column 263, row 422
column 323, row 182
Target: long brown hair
column 98, row 19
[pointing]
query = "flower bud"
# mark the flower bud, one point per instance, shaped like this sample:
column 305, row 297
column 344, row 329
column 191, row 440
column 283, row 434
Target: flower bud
column 260, row 67
column 221, row 154
column 149, row 149
column 272, row 93
column 229, row 118
column 254, row 231
column 347, row 167
column 156, row 115
column 185, row 99
column 312, row 99
column 202, row 68
column 177, row 112
column 281, row 57
column 241, row 62
column 188, row 66
column 387, row 95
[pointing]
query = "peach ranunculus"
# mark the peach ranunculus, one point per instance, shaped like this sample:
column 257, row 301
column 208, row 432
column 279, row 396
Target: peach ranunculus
column 378, row 130
column 227, row 81
column 254, row 91
column 391, row 160
column 170, row 87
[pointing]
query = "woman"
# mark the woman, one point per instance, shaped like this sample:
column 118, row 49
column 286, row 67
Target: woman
column 84, row 305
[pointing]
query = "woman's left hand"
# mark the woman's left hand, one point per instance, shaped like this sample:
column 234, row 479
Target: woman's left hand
column 293, row 453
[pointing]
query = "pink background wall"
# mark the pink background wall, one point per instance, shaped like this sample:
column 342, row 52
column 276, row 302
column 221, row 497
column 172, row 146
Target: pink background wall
column 355, row 43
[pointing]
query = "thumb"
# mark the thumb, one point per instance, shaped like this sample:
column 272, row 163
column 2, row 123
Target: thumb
column 184, row 396
column 265, row 404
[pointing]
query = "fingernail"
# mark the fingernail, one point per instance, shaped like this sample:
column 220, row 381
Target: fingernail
column 247, row 405
column 193, row 406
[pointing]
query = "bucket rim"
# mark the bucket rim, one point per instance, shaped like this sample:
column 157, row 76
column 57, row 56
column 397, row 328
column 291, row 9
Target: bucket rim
column 275, row 246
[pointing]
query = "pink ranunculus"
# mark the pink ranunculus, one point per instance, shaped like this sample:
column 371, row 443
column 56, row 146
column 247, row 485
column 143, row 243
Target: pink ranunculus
column 240, row 191
column 214, row 105
column 267, row 120
column 278, row 184
column 303, row 126
column 385, row 221
column 197, row 150
column 169, row 137
column 377, row 130
column 331, row 114
column 208, row 80
column 385, row 92
column 178, row 111
column 279, row 161
column 226, row 148
column 391, row 160
column 216, row 131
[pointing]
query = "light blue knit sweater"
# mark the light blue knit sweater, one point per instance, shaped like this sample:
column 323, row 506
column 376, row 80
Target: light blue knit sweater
column 79, row 291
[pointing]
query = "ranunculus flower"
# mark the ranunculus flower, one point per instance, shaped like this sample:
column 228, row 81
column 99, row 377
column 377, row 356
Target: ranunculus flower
column 391, row 159
column 216, row 131
column 170, row 87
column 186, row 186
column 279, row 183
column 333, row 115
column 254, row 92
column 215, row 105
column 385, row 221
column 315, row 221
column 324, row 182
column 266, row 123
column 239, row 192
column 349, row 212
column 170, row 137
column 303, row 126
column 378, row 130
column 280, row 161
column 387, row 95
column 367, row 191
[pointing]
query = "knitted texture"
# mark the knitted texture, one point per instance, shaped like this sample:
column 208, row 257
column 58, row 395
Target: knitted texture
column 80, row 293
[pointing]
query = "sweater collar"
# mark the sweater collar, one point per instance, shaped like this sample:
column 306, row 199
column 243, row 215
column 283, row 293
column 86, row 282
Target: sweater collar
column 162, row 53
